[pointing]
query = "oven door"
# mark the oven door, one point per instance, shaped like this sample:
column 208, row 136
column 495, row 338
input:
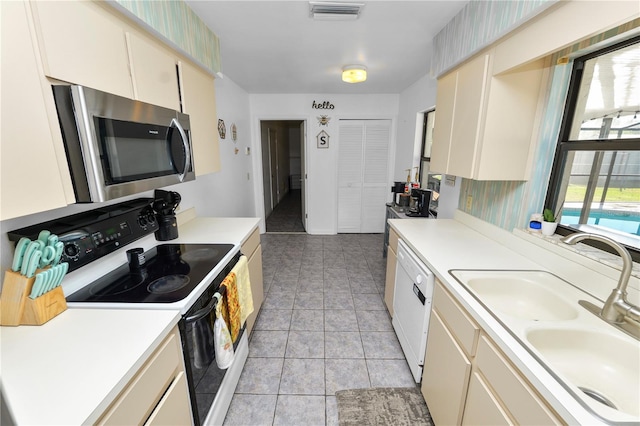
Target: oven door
column 210, row 387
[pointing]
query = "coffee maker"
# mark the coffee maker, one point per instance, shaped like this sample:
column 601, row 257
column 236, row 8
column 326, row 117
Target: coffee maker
column 422, row 199
column 396, row 189
column 165, row 204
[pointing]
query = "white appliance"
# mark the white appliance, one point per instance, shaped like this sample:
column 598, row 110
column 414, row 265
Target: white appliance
column 412, row 307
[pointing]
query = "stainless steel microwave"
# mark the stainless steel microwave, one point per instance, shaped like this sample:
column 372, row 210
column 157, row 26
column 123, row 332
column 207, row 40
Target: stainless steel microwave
column 117, row 146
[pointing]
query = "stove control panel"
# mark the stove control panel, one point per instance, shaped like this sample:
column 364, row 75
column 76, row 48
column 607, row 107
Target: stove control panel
column 91, row 235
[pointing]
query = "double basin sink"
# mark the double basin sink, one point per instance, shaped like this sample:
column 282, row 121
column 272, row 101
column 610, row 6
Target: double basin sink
column 597, row 363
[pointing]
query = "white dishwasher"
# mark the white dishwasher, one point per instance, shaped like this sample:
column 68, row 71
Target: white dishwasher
column 412, row 307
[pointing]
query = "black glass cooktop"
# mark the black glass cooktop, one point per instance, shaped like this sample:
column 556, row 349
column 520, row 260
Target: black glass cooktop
column 169, row 274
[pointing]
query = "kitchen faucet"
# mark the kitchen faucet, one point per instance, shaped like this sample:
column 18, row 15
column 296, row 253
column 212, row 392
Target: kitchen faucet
column 616, row 309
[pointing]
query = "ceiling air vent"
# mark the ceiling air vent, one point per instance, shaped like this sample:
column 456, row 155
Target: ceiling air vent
column 333, row 11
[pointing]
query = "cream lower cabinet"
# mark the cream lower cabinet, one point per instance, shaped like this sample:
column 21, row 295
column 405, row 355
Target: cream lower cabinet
column 158, row 393
column 390, row 279
column 253, row 250
column 466, row 378
column 514, row 394
column 482, row 407
column 451, row 344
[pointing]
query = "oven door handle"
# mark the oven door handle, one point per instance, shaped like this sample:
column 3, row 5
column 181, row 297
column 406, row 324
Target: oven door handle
column 202, row 312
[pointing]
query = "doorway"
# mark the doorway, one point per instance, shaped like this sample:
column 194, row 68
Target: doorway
column 283, row 172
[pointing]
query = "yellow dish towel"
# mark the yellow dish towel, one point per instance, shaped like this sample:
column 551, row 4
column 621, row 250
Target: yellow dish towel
column 233, row 305
column 243, row 282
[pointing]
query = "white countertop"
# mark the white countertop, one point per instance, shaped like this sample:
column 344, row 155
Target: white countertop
column 234, row 230
column 446, row 244
column 68, row 370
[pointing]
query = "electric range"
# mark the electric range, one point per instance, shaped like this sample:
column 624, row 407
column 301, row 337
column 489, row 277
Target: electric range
column 159, row 275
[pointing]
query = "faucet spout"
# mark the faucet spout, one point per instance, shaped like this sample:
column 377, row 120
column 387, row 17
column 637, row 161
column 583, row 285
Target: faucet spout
column 616, row 308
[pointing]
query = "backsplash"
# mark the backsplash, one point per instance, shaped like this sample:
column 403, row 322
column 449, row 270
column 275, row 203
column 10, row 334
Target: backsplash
column 176, row 22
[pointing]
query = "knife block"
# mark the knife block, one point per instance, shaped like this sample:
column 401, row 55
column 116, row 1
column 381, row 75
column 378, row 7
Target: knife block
column 19, row 309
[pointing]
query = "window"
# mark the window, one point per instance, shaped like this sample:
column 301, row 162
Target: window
column 595, row 181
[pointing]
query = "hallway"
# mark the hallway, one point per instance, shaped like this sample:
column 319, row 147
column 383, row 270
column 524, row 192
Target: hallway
column 287, row 215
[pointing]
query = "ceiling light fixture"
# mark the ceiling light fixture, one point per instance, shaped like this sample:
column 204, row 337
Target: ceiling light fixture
column 354, row 73
column 334, row 11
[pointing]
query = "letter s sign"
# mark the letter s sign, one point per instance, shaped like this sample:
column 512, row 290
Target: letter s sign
column 323, row 139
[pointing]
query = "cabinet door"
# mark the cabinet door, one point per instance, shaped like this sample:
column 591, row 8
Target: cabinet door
column 446, row 374
column 482, row 408
column 32, row 179
column 390, row 280
column 146, row 389
column 199, row 101
column 154, row 73
column 511, row 388
column 82, row 43
column 445, row 101
column 175, row 407
column 253, row 250
column 470, row 95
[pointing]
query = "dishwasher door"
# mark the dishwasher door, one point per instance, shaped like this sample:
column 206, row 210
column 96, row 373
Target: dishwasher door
column 412, row 307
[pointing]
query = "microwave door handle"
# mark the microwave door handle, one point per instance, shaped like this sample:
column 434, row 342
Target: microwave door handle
column 187, row 151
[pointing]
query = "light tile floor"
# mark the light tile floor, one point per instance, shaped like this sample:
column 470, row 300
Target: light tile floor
column 323, row 327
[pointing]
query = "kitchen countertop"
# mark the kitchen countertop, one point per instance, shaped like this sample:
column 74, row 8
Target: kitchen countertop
column 233, row 230
column 70, row 369
column 447, row 244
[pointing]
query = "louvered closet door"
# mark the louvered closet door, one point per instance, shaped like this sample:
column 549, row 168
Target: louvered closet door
column 363, row 169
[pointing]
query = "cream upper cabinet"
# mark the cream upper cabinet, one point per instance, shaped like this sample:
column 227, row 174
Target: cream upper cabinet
column 483, row 129
column 81, row 43
column 199, row 101
column 32, row 179
column 445, row 100
column 153, row 72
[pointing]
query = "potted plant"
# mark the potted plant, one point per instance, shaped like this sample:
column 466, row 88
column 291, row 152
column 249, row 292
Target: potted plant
column 549, row 223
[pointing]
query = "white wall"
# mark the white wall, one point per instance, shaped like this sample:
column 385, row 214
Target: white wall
column 321, row 164
column 417, row 98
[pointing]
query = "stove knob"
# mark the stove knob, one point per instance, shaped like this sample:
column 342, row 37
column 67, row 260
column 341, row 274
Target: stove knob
column 142, row 221
column 72, row 250
column 151, row 218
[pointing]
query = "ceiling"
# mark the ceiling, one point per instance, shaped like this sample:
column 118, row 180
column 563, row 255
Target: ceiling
column 276, row 47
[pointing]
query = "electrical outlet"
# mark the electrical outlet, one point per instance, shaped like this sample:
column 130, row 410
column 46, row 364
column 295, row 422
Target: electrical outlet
column 469, row 202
